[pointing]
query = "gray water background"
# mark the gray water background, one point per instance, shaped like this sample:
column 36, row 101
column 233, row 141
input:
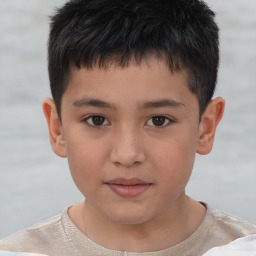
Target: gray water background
column 35, row 184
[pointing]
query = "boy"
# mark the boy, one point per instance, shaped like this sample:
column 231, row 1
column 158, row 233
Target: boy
column 132, row 85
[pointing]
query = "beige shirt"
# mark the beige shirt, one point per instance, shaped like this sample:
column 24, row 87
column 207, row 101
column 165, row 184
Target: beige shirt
column 58, row 236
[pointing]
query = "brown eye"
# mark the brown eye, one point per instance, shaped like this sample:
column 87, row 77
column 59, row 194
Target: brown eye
column 159, row 121
column 96, row 120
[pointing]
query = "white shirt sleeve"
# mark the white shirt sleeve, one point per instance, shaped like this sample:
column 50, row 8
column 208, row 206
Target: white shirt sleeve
column 245, row 246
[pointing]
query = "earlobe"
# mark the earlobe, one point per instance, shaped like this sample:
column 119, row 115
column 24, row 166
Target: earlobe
column 209, row 122
column 56, row 135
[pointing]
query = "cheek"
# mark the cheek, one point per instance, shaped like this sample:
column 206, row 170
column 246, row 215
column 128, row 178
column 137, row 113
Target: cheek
column 85, row 160
column 174, row 160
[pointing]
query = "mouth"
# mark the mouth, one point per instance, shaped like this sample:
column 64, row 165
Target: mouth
column 128, row 187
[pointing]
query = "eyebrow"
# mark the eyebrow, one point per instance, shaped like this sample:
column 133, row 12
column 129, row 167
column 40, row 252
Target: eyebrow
column 85, row 102
column 163, row 103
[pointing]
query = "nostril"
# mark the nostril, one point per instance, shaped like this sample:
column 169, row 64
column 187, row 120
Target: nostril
column 127, row 159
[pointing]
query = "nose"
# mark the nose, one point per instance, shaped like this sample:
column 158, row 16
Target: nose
column 127, row 148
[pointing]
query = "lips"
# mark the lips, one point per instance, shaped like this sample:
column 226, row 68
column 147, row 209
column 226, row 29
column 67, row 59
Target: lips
column 128, row 187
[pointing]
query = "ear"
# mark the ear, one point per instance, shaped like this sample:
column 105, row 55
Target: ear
column 56, row 135
column 209, row 122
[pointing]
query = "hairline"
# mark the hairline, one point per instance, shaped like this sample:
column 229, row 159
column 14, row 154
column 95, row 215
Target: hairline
column 110, row 62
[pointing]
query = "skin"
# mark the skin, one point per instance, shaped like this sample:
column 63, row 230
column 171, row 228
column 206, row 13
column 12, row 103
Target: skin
column 131, row 142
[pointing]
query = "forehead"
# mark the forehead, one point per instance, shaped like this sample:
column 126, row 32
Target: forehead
column 116, row 63
column 151, row 80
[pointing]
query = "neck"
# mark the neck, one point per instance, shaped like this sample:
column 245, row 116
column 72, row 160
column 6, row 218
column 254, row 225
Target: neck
column 169, row 228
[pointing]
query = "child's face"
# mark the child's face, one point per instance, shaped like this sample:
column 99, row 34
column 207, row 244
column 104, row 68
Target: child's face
column 130, row 135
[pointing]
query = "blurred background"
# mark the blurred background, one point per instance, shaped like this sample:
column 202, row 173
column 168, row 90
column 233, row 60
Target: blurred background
column 35, row 184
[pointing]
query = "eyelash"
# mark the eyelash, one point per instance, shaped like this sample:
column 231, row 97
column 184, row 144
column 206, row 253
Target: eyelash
column 166, row 124
column 87, row 118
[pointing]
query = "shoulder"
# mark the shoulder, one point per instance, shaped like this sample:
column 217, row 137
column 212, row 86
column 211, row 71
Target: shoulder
column 226, row 227
column 232, row 223
column 241, row 246
column 40, row 236
column 217, row 229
